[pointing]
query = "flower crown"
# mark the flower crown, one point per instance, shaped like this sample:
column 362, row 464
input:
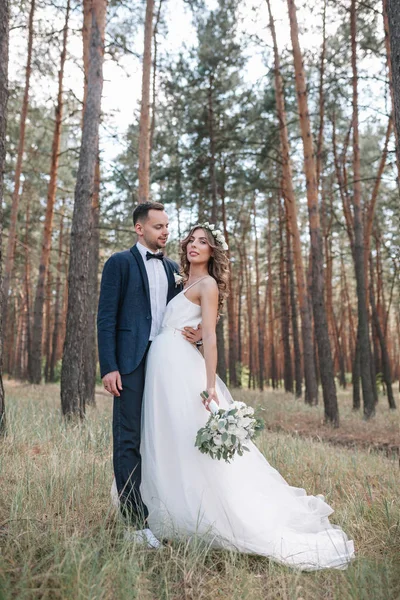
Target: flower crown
column 216, row 233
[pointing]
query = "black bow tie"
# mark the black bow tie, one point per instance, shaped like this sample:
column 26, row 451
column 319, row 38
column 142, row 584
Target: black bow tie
column 159, row 255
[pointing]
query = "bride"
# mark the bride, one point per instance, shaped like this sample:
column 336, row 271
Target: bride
column 245, row 505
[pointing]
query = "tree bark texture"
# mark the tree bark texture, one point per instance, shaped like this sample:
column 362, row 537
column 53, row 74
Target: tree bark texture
column 213, row 176
column 73, row 392
column 321, row 101
column 10, row 255
column 57, row 301
column 387, row 377
column 271, row 342
column 144, row 123
column 154, row 78
column 311, row 392
column 293, row 307
column 318, row 295
column 37, row 329
column 363, row 326
column 393, row 15
column 287, row 357
column 91, row 350
column 4, row 25
column 26, row 193
column 230, row 304
column 260, row 325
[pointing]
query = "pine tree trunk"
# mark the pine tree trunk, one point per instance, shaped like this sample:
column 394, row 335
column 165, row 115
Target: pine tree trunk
column 333, row 329
column 260, row 328
column 293, row 307
column 64, row 309
column 144, row 124
column 18, row 339
column 57, row 301
column 4, row 24
column 355, row 377
column 93, row 289
column 73, row 392
column 86, row 30
column 385, row 356
column 213, row 177
column 271, row 342
column 370, row 209
column 27, row 283
column 232, row 338
column 48, row 336
column 393, row 21
column 311, row 393
column 318, row 296
column 363, row 333
column 9, row 263
column 91, row 350
column 153, row 100
column 390, row 73
column 343, row 190
column 287, row 358
column 12, row 334
column 250, row 344
column 239, row 322
column 37, row 329
column 321, row 94
column 352, row 330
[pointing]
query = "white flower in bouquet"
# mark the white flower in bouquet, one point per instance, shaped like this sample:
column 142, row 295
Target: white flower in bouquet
column 238, row 404
column 242, row 435
column 227, row 431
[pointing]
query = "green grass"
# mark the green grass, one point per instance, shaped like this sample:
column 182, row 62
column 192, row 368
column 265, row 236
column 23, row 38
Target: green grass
column 59, row 537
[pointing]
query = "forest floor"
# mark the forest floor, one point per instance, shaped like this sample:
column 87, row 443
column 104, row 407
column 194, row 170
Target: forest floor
column 60, row 539
column 282, row 412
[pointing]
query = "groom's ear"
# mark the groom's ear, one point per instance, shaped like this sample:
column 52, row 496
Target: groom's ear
column 138, row 227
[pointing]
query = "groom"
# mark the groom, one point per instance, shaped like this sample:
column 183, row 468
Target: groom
column 136, row 286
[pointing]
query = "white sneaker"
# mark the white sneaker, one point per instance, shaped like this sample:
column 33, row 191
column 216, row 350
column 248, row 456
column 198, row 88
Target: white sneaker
column 143, row 537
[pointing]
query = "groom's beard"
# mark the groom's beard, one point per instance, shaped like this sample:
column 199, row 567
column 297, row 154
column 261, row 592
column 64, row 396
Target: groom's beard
column 154, row 245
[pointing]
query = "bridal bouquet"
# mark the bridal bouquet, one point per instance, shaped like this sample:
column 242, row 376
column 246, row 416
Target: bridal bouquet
column 227, row 431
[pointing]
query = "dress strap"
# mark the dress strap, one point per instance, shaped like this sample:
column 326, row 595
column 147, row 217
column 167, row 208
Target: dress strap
column 192, row 284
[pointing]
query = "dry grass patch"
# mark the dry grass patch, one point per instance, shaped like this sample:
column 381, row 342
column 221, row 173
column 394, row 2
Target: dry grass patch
column 282, row 412
column 60, row 539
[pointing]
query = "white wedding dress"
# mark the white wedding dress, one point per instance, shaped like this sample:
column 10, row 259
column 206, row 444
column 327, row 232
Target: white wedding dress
column 244, row 505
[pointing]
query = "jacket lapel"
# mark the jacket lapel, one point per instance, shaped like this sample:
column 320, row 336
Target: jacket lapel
column 171, row 279
column 142, row 269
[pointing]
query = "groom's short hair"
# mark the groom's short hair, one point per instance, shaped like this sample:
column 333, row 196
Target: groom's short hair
column 141, row 212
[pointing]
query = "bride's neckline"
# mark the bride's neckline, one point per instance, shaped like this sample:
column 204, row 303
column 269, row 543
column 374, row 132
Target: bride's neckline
column 191, row 285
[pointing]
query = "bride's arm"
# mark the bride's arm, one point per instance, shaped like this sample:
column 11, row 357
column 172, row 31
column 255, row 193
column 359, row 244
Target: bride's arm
column 209, row 311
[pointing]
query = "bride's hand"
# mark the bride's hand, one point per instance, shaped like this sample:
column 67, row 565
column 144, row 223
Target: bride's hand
column 212, row 395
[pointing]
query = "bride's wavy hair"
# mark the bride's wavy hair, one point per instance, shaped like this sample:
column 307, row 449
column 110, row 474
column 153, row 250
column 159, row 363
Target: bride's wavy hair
column 218, row 265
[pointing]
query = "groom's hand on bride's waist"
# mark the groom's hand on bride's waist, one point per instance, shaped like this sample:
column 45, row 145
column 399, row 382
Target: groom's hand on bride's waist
column 192, row 335
column 112, row 383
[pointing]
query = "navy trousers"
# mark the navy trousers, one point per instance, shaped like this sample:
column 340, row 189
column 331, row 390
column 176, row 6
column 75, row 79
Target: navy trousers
column 127, row 414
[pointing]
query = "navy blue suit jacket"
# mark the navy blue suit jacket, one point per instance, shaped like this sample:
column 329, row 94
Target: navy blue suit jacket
column 124, row 314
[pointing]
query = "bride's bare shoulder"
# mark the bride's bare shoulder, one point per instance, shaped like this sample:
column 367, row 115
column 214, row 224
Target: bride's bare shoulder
column 209, row 285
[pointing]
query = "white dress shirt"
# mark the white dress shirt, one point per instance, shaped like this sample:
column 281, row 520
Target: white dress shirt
column 158, row 285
